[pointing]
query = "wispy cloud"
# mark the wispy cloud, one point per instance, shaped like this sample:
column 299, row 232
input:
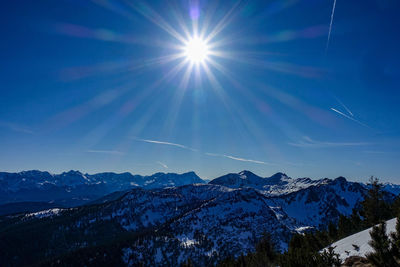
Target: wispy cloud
column 344, row 106
column 162, row 164
column 165, row 143
column 331, row 24
column 350, row 118
column 237, row 158
column 308, row 142
column 196, row 150
column 112, row 152
column 16, row 127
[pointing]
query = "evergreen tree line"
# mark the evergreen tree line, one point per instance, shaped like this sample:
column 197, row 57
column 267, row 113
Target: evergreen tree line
column 304, row 249
column 386, row 249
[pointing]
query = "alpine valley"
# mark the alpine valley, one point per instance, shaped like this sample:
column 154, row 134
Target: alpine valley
column 162, row 219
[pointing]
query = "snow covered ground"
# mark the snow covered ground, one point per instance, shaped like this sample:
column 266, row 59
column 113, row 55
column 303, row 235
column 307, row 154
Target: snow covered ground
column 357, row 244
column 44, row 213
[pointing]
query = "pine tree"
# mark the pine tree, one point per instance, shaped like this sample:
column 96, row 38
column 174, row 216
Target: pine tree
column 382, row 255
column 265, row 254
column 332, row 231
column 344, row 226
column 395, row 241
column 329, row 258
column 374, row 208
column 302, row 252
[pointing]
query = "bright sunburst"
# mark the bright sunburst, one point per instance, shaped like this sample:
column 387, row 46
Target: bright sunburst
column 196, row 50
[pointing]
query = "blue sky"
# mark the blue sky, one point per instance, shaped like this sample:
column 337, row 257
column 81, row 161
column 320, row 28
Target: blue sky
column 87, row 85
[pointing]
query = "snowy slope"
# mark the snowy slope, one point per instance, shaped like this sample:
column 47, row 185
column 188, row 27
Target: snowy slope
column 228, row 224
column 317, row 205
column 204, row 222
column 345, row 248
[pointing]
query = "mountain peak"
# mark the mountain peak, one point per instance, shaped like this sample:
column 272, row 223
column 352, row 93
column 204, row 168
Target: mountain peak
column 72, row 172
column 239, row 180
column 279, row 175
column 190, row 173
column 340, row 179
column 35, row 173
column 246, row 172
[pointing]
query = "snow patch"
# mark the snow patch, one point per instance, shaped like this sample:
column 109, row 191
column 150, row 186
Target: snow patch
column 44, row 213
column 357, row 244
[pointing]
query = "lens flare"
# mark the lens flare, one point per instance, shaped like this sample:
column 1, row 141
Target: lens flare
column 196, row 50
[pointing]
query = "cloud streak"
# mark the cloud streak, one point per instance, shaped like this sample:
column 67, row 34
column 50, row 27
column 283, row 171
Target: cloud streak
column 165, row 143
column 15, row 127
column 350, row 118
column 162, row 164
column 308, row 142
column 237, row 158
column 196, row 150
column 345, row 107
column 330, row 24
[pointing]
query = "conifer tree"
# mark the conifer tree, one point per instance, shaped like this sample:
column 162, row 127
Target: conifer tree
column 332, row 231
column 344, row 226
column 374, row 208
column 382, row 255
column 329, row 258
column 265, row 254
column 395, row 240
column 395, row 206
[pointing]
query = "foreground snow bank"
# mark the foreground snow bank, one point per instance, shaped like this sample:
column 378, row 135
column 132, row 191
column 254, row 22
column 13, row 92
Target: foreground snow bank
column 357, row 244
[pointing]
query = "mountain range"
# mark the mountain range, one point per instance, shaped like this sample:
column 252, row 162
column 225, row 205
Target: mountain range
column 165, row 219
column 74, row 188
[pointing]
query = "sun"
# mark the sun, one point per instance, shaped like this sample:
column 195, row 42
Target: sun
column 196, row 50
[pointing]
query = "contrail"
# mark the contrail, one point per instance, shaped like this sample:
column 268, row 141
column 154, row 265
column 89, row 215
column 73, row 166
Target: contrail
column 330, row 25
column 344, row 106
column 196, row 150
column 237, row 158
column 350, row 118
column 163, row 164
column 165, row 143
column 308, row 142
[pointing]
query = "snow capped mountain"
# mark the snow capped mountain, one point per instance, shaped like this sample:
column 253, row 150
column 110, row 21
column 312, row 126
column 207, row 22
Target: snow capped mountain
column 277, row 184
column 26, row 179
column 75, row 188
column 289, row 185
column 357, row 244
column 239, row 180
column 228, row 224
column 311, row 203
column 318, row 204
column 159, row 180
column 200, row 221
column 205, row 222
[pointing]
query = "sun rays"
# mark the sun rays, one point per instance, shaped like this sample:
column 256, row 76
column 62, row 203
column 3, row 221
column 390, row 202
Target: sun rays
column 195, row 52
